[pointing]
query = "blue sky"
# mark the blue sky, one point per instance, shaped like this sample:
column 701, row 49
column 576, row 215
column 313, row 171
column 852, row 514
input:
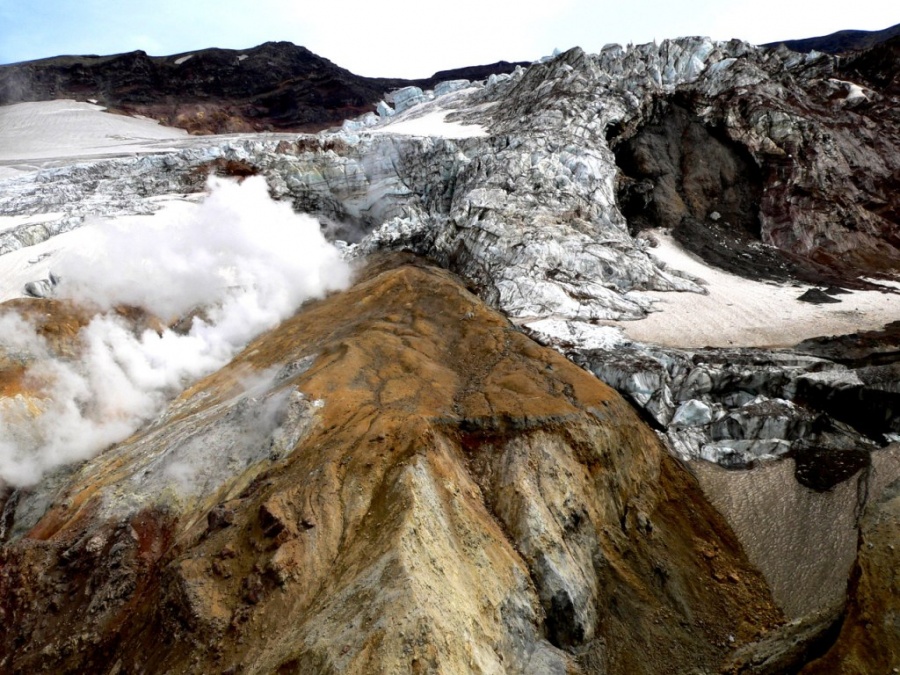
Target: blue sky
column 400, row 38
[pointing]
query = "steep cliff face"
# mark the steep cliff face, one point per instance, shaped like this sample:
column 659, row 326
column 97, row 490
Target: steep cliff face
column 748, row 177
column 869, row 640
column 411, row 485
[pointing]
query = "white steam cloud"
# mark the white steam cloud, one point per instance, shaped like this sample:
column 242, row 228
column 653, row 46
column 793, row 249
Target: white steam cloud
column 247, row 261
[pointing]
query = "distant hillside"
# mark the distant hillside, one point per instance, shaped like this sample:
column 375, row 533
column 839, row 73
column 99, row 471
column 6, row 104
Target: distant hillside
column 840, row 42
column 275, row 86
column 879, row 68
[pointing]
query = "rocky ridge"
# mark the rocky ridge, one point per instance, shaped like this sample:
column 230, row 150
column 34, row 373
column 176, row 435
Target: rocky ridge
column 841, row 41
column 421, row 447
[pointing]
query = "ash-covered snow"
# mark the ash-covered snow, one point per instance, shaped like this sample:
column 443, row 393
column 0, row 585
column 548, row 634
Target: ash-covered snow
column 740, row 312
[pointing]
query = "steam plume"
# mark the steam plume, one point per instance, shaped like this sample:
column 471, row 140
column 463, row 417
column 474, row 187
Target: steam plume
column 247, row 261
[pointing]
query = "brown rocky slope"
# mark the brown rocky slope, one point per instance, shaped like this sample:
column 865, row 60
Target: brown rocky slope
column 441, row 494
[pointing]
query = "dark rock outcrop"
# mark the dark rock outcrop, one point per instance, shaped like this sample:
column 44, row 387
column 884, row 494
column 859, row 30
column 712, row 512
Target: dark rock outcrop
column 788, row 648
column 471, row 73
column 787, row 174
column 871, row 399
column 877, row 67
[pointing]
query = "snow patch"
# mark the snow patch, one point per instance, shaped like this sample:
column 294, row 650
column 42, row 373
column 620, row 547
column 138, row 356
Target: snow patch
column 33, row 263
column 183, row 59
column 579, row 335
column 431, row 124
column 855, row 93
column 740, row 312
column 63, row 129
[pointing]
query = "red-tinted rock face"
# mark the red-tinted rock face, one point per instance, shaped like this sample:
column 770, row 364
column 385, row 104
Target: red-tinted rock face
column 869, row 640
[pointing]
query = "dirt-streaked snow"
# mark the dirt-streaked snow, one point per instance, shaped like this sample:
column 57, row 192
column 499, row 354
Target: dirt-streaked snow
column 742, row 312
column 33, row 134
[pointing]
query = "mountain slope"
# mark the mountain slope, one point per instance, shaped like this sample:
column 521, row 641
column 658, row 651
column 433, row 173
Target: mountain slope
column 441, row 494
column 275, row 86
column 397, row 478
column 840, row 42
